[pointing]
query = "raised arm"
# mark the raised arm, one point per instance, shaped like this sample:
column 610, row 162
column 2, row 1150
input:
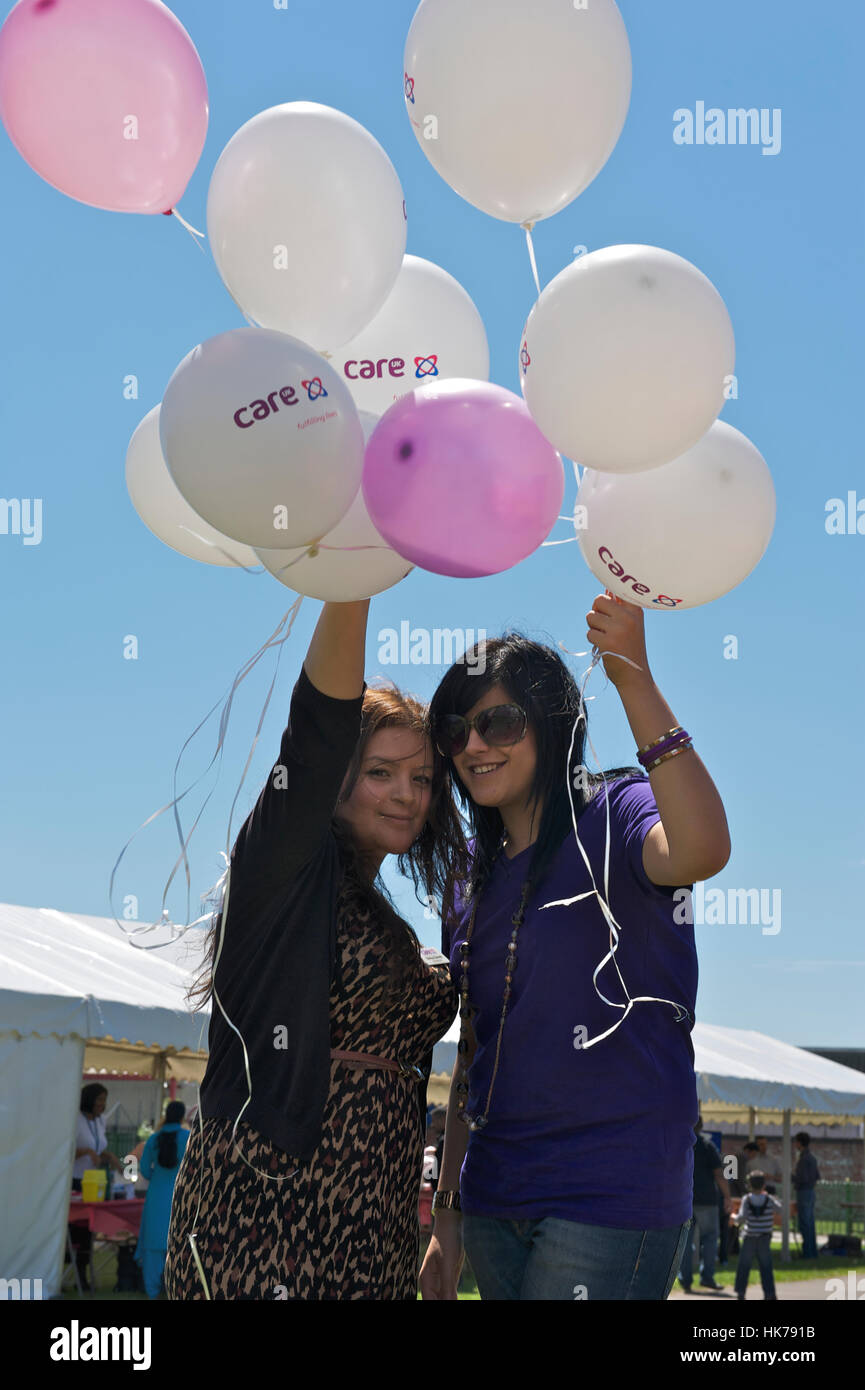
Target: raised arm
column 289, row 821
column 335, row 660
column 692, row 841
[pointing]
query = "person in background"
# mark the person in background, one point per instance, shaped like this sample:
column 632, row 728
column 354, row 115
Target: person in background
column 725, row 1230
column 159, row 1165
column 91, row 1151
column 91, row 1145
column 437, row 1122
column 430, row 1162
column 708, row 1175
column 757, row 1216
column 751, row 1164
column 806, row 1175
column 767, row 1164
column 739, row 1180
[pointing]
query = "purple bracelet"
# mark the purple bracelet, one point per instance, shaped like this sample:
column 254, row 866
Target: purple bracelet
column 665, row 746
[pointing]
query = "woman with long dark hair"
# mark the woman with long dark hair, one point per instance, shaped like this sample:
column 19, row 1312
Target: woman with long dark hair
column 160, row 1164
column 568, row 1155
column 303, row 1180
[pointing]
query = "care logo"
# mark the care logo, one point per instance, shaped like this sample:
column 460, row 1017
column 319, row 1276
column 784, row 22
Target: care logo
column 409, row 88
column 605, row 555
column 525, row 359
column 314, row 389
column 426, row 366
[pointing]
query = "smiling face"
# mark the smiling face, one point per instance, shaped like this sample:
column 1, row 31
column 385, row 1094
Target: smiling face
column 389, row 803
column 500, row 777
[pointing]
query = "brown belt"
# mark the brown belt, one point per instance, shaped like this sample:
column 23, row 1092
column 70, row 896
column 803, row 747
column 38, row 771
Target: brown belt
column 367, row 1059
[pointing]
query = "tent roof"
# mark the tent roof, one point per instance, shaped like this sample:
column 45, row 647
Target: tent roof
column 66, row 975
column 737, row 1069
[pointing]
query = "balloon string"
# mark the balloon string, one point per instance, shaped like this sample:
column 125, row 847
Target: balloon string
column 193, row 231
column 275, row 640
column 310, row 551
column 195, row 235
column 250, row 569
column 527, row 228
column 566, row 541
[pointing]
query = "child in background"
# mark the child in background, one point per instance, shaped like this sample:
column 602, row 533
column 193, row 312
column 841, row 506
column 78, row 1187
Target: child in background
column 757, row 1214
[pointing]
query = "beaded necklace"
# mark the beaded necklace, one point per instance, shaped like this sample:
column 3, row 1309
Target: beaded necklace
column 476, row 1122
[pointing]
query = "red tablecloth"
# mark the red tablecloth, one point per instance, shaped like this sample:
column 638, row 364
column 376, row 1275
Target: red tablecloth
column 108, row 1218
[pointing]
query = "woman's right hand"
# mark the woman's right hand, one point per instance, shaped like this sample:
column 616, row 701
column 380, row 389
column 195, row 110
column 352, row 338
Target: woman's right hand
column 443, row 1262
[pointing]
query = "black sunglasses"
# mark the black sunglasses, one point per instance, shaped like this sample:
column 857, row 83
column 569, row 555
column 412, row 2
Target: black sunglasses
column 499, row 726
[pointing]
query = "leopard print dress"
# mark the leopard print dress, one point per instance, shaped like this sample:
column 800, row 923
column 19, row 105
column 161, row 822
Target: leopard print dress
column 343, row 1225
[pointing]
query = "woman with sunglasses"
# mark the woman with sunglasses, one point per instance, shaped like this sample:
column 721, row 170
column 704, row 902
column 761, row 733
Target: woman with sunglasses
column 567, row 1165
column 302, row 1180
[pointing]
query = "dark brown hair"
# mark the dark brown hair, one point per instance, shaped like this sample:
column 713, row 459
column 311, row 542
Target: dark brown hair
column 438, row 848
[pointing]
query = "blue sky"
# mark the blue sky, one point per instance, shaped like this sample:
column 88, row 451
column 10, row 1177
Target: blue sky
column 88, row 740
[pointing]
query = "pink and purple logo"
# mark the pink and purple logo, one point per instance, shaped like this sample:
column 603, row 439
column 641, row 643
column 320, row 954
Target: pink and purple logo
column 426, row 366
column 314, row 389
column 525, row 360
column 409, row 89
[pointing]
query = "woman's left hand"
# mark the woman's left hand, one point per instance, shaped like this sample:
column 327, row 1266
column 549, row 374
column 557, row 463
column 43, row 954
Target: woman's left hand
column 617, row 626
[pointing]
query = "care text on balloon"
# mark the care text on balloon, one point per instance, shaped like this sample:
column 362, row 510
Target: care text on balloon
column 605, row 555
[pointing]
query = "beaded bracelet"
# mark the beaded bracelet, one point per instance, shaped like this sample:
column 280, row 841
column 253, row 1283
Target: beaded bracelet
column 652, row 752
column 683, row 748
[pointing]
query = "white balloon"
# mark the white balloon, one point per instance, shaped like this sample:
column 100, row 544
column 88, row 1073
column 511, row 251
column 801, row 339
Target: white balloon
column 682, row 534
column 625, row 358
column 429, row 327
column 339, row 574
column 517, row 103
column 162, row 508
column 262, row 438
column 307, row 223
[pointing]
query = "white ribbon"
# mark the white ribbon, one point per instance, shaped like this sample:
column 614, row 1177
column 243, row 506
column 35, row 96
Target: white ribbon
column 603, row 899
column 527, row 228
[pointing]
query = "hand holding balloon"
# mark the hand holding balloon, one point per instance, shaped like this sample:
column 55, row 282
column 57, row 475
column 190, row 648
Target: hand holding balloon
column 619, row 627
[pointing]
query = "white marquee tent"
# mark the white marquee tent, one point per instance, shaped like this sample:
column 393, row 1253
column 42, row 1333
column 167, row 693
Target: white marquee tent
column 75, row 996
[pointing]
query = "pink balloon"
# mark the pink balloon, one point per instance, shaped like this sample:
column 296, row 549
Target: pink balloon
column 105, row 99
column 459, row 479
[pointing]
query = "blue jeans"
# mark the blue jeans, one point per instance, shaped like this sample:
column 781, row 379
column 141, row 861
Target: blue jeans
column 551, row 1259
column 706, row 1231
column 761, row 1247
column 805, row 1202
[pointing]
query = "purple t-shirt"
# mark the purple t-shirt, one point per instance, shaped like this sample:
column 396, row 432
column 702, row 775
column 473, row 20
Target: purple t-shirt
column 601, row 1134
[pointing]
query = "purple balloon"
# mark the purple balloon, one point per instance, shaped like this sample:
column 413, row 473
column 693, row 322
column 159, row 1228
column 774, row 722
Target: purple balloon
column 459, row 480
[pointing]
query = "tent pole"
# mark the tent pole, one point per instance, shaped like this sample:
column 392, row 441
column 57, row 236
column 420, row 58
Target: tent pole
column 752, row 1117
column 785, row 1190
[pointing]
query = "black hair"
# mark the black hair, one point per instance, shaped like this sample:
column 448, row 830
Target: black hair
column 166, row 1143
column 89, row 1095
column 536, row 678
column 803, row 1137
column 757, row 1179
column 752, row 1147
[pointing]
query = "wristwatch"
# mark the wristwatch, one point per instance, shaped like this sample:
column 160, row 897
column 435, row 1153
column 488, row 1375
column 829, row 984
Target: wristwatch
column 444, row 1201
